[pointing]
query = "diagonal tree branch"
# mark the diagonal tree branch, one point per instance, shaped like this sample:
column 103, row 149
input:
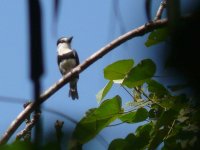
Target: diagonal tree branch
column 89, row 61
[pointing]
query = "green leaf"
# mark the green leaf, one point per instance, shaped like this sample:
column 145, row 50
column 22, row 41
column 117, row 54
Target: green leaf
column 143, row 133
column 157, row 89
column 156, row 111
column 162, row 127
column 123, row 144
column 131, row 142
column 102, row 93
column 117, row 144
column 144, row 129
column 18, row 145
column 157, row 138
column 157, row 36
column 166, row 118
column 133, row 117
column 118, row 70
column 140, row 73
column 97, row 119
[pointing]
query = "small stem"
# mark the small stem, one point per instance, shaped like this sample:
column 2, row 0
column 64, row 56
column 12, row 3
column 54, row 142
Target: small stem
column 127, row 91
column 112, row 125
column 160, row 10
column 170, row 130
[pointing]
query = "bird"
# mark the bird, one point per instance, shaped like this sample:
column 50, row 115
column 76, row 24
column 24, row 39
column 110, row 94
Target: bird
column 67, row 60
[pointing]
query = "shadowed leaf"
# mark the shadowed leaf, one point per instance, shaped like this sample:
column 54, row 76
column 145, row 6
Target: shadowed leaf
column 157, row 89
column 157, row 36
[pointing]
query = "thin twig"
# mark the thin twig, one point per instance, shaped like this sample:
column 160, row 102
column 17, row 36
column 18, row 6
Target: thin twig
column 127, row 91
column 112, row 125
column 126, row 113
column 26, row 132
column 160, row 9
column 136, row 107
column 170, row 130
column 143, row 93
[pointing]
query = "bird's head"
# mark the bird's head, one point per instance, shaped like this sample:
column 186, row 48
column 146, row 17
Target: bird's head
column 65, row 40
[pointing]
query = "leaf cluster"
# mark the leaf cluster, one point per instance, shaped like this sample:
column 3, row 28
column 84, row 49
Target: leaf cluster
column 166, row 118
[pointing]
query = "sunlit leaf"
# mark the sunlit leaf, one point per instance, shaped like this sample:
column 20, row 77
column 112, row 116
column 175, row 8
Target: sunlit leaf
column 118, row 81
column 102, row 93
column 157, row 36
column 140, row 73
column 97, row 119
column 133, row 117
column 118, row 70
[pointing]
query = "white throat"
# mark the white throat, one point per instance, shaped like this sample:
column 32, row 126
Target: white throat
column 63, row 48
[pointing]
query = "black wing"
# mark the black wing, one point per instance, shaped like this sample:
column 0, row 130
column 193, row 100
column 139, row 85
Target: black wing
column 72, row 54
column 76, row 56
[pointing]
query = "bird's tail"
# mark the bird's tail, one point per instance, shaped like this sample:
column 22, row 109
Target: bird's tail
column 73, row 92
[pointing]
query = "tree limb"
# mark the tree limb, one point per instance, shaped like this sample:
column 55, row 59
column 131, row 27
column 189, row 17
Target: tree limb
column 160, row 9
column 148, row 27
column 29, row 125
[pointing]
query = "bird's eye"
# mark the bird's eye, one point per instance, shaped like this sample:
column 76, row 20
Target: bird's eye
column 62, row 41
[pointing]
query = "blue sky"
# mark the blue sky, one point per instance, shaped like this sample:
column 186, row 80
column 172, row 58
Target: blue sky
column 93, row 24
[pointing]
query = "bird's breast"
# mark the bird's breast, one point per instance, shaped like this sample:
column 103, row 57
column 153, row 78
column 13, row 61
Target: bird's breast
column 67, row 65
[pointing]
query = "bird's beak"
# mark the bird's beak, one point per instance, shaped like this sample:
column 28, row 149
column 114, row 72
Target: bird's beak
column 70, row 39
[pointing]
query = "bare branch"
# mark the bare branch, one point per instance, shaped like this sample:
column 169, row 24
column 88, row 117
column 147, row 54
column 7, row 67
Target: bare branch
column 160, row 9
column 26, row 133
column 148, row 27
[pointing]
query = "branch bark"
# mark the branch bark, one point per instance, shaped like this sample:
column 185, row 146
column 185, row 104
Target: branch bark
column 148, row 27
column 26, row 133
column 160, row 9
